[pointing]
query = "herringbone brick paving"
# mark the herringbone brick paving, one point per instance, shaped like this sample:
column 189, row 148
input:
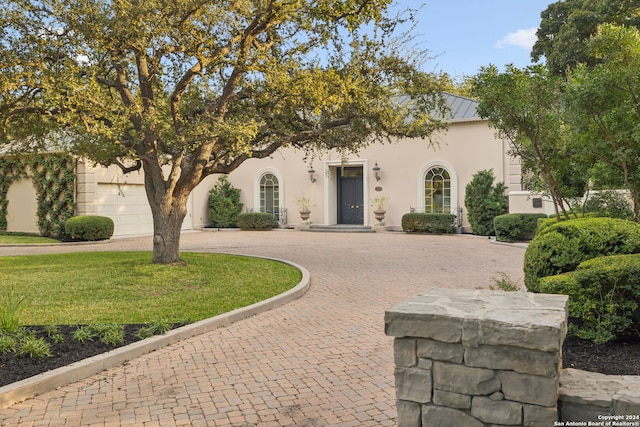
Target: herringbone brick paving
column 322, row 360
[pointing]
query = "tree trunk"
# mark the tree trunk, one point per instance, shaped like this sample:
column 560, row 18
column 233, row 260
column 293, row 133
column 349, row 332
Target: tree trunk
column 167, row 227
column 169, row 208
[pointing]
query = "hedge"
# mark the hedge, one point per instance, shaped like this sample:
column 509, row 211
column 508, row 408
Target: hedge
column 561, row 247
column 518, row 226
column 257, row 221
column 604, row 296
column 428, row 223
column 89, row 228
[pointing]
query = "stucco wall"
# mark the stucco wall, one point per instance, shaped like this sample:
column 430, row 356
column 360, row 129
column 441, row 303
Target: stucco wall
column 465, row 149
column 22, row 208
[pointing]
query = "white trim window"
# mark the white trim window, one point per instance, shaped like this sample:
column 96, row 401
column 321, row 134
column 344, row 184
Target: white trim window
column 269, row 193
column 437, row 191
column 438, row 188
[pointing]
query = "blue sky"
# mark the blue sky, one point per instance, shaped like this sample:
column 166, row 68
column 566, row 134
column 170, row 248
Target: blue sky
column 468, row 34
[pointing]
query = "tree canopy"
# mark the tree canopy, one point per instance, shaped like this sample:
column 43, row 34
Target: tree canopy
column 525, row 107
column 186, row 88
column 567, row 25
column 603, row 106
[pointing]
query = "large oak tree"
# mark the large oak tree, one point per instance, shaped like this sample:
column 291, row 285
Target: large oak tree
column 567, row 25
column 183, row 89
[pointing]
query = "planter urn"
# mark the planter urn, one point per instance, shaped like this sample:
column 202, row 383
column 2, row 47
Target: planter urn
column 304, row 215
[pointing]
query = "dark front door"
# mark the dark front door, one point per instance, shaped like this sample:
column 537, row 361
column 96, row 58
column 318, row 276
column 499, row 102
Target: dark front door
column 350, row 203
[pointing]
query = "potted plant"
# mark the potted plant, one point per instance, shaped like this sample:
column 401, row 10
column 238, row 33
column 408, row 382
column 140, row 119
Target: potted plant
column 304, row 206
column 379, row 212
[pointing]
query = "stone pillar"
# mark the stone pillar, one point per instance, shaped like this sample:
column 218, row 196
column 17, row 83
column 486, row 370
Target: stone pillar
column 85, row 189
column 477, row 358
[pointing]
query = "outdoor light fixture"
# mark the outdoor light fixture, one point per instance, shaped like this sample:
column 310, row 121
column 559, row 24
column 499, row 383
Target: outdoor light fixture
column 311, row 172
column 376, row 169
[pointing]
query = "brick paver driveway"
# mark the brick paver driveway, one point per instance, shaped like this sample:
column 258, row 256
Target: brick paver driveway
column 322, row 360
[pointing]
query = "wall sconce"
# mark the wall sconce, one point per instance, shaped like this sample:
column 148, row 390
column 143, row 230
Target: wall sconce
column 311, row 172
column 376, row 169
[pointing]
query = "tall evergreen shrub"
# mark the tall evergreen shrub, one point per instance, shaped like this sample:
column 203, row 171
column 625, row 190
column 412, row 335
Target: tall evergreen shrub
column 484, row 202
column 224, row 204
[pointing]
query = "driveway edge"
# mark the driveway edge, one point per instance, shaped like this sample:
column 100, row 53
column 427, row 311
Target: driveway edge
column 47, row 381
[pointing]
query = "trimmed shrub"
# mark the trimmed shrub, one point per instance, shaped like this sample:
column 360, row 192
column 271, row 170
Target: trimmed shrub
column 484, row 202
column 257, row 221
column 89, row 228
column 224, row 204
column 561, row 247
column 609, row 203
column 546, row 222
column 518, row 226
column 428, row 223
column 604, row 294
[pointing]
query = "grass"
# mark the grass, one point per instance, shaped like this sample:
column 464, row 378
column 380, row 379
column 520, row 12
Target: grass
column 17, row 239
column 125, row 288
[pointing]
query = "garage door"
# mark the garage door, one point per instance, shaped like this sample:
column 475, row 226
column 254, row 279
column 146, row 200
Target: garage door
column 127, row 206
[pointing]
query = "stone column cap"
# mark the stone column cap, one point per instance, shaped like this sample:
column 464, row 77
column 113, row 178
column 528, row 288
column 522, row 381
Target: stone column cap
column 477, row 317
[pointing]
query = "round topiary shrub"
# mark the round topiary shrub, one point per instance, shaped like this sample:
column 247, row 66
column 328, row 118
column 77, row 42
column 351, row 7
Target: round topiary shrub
column 604, row 296
column 516, row 226
column 257, row 221
column 561, row 247
column 89, row 228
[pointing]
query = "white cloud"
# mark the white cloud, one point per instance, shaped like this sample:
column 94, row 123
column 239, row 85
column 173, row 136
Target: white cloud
column 521, row 38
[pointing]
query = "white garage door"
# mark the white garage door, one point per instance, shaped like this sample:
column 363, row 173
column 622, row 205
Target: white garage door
column 127, row 206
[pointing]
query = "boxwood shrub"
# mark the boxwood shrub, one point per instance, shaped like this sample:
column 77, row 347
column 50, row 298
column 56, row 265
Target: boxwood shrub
column 428, row 223
column 561, row 247
column 604, row 295
column 257, row 221
column 89, row 228
column 546, row 222
column 516, row 226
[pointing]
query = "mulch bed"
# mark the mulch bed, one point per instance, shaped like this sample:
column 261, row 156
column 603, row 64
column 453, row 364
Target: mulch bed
column 620, row 357
column 613, row 358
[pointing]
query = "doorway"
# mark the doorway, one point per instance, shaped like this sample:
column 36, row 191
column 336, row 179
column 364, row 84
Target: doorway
column 350, row 195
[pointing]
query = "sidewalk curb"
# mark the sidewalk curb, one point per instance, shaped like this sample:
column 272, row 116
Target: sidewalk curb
column 51, row 380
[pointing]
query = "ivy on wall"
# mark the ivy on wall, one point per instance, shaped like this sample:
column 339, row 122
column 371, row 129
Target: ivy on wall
column 53, row 177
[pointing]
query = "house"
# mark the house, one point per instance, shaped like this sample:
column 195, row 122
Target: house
column 412, row 175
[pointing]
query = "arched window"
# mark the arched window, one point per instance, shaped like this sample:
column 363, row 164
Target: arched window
column 269, row 193
column 437, row 191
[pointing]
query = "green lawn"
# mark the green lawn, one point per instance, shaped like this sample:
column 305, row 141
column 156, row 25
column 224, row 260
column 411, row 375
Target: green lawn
column 10, row 239
column 125, row 288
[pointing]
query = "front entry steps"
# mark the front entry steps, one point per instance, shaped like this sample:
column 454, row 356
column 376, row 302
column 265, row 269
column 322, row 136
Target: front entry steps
column 339, row 228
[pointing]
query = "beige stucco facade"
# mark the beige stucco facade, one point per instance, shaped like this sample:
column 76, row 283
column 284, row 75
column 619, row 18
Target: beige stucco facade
column 468, row 146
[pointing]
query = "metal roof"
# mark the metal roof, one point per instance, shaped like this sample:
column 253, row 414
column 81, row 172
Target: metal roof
column 462, row 108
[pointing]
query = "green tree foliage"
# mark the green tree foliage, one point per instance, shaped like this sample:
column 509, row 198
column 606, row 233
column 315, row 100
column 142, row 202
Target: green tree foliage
column 608, row 203
column 525, row 106
column 183, row 89
column 224, row 204
column 21, row 81
column 485, row 201
column 567, row 25
column 603, row 105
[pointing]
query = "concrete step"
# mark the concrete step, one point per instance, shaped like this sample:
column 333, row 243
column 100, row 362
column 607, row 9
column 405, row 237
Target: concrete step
column 340, row 228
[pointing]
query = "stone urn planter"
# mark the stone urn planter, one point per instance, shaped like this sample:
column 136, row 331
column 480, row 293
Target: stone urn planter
column 379, row 216
column 304, row 206
column 304, row 215
column 379, row 211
